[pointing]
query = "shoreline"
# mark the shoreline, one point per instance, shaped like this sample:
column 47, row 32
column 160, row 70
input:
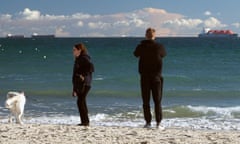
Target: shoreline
column 71, row 134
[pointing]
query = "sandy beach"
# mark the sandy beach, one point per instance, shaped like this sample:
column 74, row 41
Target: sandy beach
column 70, row 134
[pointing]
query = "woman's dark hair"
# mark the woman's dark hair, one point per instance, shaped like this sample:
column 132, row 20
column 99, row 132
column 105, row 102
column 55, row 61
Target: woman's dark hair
column 81, row 47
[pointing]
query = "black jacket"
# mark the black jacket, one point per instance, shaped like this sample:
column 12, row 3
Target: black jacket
column 150, row 55
column 84, row 67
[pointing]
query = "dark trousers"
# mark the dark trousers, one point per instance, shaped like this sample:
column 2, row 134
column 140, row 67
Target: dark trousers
column 82, row 105
column 154, row 85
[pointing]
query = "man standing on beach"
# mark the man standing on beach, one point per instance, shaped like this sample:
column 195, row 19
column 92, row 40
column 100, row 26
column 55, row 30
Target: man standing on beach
column 150, row 54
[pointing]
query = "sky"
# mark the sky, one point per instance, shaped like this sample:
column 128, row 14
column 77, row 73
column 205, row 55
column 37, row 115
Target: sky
column 117, row 18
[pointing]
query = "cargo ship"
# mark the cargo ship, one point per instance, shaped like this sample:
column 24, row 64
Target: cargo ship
column 35, row 35
column 14, row 36
column 208, row 33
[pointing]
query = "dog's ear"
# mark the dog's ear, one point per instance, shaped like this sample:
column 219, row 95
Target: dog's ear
column 10, row 95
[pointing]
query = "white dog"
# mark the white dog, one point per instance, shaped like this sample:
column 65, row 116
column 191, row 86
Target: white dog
column 15, row 103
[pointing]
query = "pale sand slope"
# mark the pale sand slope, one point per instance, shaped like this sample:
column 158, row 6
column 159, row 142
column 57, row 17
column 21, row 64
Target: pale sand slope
column 70, row 134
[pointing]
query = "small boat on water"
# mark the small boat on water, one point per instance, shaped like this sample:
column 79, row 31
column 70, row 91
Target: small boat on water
column 208, row 33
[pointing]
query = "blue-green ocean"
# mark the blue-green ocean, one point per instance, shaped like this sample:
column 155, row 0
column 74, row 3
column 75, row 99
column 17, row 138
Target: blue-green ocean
column 201, row 81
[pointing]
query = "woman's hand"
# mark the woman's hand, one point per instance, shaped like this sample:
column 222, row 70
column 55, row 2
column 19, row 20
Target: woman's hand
column 74, row 94
column 82, row 77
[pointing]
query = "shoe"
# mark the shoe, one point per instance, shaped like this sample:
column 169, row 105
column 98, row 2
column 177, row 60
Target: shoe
column 83, row 124
column 158, row 126
column 148, row 125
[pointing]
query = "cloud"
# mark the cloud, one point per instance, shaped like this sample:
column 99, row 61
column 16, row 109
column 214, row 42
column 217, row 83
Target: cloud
column 193, row 23
column 191, row 27
column 30, row 14
column 121, row 23
column 81, row 16
column 61, row 33
column 6, row 17
column 155, row 11
column 53, row 17
column 237, row 25
column 207, row 13
column 80, row 24
column 183, row 23
column 131, row 23
column 183, row 26
column 213, row 22
column 98, row 25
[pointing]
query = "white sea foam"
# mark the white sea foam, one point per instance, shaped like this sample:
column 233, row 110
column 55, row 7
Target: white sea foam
column 107, row 120
column 169, row 111
column 99, row 117
column 3, row 109
column 226, row 112
column 197, row 89
column 203, row 123
column 98, row 79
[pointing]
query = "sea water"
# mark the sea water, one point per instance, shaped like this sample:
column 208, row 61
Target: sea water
column 201, row 81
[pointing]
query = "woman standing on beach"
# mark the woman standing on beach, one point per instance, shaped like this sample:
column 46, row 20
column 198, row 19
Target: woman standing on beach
column 81, row 79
